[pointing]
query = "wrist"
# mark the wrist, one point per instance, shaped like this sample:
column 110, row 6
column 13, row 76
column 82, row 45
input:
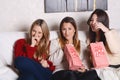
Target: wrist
column 106, row 30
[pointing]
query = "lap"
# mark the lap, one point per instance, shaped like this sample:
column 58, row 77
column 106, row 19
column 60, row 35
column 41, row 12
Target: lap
column 75, row 75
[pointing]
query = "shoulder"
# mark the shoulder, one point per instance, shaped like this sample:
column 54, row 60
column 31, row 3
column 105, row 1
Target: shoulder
column 82, row 43
column 20, row 41
column 55, row 41
column 112, row 31
column 55, row 44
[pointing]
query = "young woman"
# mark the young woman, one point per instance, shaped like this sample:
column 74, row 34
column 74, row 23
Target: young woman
column 99, row 31
column 31, row 54
column 69, row 35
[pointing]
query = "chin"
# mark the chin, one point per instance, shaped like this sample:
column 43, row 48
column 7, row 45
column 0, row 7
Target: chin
column 94, row 30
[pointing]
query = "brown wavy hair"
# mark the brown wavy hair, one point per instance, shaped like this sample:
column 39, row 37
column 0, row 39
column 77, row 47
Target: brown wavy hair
column 62, row 40
column 43, row 46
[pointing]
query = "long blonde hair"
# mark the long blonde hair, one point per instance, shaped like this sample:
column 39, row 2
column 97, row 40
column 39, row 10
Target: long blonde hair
column 43, row 46
column 62, row 39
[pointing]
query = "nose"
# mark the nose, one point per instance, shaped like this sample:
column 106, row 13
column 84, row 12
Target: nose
column 93, row 22
column 66, row 32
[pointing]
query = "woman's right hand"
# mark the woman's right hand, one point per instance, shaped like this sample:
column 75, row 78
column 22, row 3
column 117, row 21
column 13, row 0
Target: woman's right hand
column 82, row 69
column 34, row 41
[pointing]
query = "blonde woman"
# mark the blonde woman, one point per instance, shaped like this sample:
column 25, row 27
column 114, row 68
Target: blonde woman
column 31, row 54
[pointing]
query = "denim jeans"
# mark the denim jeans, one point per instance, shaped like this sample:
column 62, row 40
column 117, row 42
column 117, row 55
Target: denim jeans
column 31, row 70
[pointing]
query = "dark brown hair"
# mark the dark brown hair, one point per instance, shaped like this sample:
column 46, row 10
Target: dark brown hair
column 104, row 19
column 62, row 40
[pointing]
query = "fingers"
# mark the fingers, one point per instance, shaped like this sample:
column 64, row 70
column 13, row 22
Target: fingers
column 81, row 70
column 34, row 41
column 102, row 27
column 97, row 24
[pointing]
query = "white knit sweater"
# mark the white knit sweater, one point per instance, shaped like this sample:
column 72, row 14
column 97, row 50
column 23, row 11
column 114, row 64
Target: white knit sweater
column 113, row 41
column 57, row 55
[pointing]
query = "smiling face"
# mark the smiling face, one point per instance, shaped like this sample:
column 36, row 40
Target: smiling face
column 68, row 31
column 37, row 33
column 93, row 23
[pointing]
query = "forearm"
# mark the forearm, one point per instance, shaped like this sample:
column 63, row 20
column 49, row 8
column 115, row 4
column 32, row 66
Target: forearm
column 113, row 41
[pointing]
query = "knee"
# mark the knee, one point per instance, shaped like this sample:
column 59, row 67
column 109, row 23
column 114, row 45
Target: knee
column 21, row 62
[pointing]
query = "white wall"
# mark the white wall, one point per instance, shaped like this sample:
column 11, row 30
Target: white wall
column 18, row 15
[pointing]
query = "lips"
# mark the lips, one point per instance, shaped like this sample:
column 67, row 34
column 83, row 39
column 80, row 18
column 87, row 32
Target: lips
column 36, row 40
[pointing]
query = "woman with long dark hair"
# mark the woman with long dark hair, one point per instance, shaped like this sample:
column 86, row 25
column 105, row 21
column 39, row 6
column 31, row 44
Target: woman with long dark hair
column 99, row 31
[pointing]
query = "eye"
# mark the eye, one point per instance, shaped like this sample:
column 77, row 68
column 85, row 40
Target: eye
column 39, row 32
column 63, row 28
column 33, row 30
column 69, row 28
column 91, row 20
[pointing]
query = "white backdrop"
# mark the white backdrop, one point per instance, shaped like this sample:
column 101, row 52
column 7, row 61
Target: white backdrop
column 18, row 15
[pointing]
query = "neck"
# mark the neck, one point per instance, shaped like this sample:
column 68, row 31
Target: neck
column 70, row 41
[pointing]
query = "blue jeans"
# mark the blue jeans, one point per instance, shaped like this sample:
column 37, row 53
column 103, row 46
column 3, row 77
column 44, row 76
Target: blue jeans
column 31, row 70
